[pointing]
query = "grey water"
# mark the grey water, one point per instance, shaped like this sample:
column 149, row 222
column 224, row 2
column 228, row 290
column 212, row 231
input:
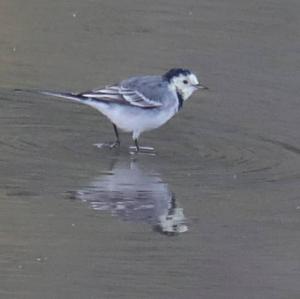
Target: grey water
column 214, row 214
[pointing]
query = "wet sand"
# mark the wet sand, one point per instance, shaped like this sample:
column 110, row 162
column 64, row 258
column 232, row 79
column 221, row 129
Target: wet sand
column 215, row 214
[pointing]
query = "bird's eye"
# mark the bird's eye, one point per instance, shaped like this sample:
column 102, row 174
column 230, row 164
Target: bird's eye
column 185, row 81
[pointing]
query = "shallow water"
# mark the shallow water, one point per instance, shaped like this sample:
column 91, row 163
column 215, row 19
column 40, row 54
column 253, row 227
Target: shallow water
column 215, row 214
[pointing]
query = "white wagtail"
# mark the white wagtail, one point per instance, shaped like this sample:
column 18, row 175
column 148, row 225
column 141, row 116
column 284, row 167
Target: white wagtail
column 141, row 103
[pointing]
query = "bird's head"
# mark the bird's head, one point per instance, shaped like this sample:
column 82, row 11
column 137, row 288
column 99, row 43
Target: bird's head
column 183, row 81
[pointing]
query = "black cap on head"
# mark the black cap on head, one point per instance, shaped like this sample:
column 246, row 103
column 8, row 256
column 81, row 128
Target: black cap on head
column 175, row 73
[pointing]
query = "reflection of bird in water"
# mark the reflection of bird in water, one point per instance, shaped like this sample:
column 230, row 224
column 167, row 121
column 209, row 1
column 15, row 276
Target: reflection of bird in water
column 135, row 195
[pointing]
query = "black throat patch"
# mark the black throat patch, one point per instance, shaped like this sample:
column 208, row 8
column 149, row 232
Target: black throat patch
column 180, row 100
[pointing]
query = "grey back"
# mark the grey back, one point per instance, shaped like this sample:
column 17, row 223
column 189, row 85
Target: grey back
column 152, row 87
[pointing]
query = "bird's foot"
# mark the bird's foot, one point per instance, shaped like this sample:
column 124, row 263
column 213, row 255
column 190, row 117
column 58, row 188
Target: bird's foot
column 110, row 145
column 148, row 150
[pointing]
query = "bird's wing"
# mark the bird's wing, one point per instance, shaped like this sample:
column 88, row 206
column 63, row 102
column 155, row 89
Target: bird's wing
column 121, row 95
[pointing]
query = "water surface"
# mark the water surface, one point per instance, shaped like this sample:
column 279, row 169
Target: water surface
column 215, row 214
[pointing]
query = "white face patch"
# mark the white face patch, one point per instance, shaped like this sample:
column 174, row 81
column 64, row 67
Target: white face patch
column 193, row 79
column 185, row 85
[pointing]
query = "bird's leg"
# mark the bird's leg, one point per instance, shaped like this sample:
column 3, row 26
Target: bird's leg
column 136, row 149
column 117, row 142
column 137, row 145
column 113, row 144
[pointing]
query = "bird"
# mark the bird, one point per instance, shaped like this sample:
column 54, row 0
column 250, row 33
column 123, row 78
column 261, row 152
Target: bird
column 137, row 104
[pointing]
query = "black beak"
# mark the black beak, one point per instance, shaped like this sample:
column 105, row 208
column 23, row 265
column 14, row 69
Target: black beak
column 199, row 86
